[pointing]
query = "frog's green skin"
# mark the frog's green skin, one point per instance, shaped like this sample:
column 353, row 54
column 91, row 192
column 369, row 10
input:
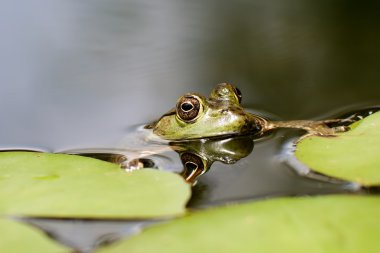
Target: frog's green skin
column 222, row 114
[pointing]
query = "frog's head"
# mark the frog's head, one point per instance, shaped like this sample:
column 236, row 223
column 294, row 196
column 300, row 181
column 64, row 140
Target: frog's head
column 198, row 117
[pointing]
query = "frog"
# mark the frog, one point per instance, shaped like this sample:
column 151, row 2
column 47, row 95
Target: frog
column 202, row 130
column 221, row 115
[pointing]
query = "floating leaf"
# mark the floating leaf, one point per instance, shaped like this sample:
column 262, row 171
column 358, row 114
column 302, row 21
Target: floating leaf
column 59, row 185
column 329, row 224
column 352, row 156
column 21, row 238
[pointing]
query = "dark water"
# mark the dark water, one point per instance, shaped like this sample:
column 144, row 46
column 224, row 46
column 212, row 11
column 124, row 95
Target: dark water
column 79, row 74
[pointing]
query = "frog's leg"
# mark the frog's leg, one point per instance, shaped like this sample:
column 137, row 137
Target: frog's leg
column 320, row 127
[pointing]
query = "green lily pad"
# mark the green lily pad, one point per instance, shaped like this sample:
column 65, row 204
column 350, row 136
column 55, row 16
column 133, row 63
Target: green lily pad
column 21, row 238
column 59, row 185
column 352, row 156
column 328, row 224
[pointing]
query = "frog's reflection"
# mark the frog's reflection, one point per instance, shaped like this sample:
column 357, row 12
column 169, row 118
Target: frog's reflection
column 197, row 156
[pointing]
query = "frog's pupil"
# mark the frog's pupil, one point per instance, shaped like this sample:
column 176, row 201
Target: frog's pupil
column 187, row 107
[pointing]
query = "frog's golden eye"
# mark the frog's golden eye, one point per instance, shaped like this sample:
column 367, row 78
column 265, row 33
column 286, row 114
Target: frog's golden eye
column 238, row 94
column 188, row 108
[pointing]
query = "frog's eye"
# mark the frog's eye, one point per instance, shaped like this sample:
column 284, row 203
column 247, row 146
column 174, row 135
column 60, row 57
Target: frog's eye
column 238, row 94
column 188, row 108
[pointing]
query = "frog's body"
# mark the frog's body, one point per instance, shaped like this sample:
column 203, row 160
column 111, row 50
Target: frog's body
column 221, row 115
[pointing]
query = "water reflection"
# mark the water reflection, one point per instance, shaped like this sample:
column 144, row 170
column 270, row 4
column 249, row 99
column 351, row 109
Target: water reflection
column 197, row 156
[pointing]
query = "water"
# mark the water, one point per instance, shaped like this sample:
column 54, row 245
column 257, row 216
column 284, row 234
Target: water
column 82, row 74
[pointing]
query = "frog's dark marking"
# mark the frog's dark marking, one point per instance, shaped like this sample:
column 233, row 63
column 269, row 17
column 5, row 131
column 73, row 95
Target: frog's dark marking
column 238, row 94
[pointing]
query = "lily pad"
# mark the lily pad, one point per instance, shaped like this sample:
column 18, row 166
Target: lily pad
column 352, row 156
column 21, row 238
column 328, row 224
column 59, row 185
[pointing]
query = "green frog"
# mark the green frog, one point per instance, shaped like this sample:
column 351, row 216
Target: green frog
column 204, row 130
column 221, row 115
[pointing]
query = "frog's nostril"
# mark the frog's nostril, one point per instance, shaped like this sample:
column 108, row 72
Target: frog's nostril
column 187, row 107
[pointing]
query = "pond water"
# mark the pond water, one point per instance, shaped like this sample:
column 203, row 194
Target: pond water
column 83, row 74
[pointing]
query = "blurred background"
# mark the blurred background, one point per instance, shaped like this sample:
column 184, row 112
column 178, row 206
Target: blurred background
column 79, row 73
